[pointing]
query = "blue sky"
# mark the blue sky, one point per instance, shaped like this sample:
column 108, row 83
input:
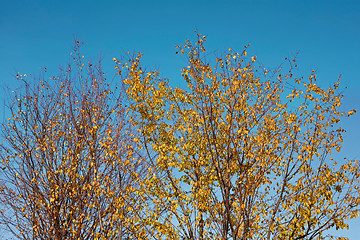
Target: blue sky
column 326, row 35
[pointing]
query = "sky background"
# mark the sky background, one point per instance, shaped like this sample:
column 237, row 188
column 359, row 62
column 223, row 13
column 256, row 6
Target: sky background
column 325, row 34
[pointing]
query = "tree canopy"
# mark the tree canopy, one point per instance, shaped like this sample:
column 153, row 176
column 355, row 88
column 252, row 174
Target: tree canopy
column 241, row 152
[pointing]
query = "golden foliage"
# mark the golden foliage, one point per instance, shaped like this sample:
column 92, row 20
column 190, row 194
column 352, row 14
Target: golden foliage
column 240, row 153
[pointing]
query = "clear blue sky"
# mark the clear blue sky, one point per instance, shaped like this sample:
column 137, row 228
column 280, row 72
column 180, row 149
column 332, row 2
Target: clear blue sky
column 326, row 34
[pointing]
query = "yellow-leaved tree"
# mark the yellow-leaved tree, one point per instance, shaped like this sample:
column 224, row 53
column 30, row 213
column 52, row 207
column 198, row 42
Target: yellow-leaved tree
column 241, row 153
column 69, row 166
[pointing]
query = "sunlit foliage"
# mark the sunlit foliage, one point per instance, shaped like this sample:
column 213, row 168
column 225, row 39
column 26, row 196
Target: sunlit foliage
column 241, row 153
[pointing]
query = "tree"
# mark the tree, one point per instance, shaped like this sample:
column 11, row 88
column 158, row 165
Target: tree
column 242, row 153
column 69, row 165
